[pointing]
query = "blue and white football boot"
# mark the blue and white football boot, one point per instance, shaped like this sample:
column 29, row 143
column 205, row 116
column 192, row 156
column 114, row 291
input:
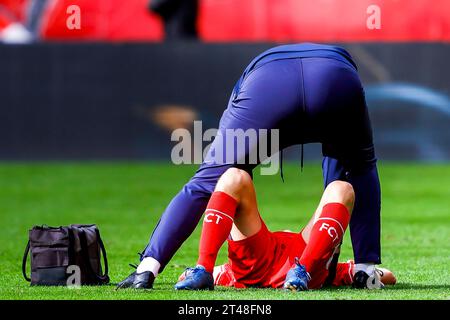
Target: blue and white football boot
column 297, row 278
column 196, row 279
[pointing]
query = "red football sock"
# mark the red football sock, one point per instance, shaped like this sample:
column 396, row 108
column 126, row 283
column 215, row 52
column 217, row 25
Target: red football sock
column 326, row 235
column 219, row 215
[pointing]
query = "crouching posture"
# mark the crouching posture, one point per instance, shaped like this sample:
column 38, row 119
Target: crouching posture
column 261, row 258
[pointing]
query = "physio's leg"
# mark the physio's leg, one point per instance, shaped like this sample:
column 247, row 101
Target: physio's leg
column 233, row 200
column 268, row 98
column 181, row 217
column 365, row 225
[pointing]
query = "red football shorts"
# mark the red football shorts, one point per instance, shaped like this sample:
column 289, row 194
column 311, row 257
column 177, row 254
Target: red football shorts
column 264, row 259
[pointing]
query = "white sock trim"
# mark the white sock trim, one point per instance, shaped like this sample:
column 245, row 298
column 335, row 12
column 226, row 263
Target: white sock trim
column 368, row 268
column 149, row 264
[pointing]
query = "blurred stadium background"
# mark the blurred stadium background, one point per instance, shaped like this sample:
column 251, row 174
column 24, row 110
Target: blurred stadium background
column 134, row 70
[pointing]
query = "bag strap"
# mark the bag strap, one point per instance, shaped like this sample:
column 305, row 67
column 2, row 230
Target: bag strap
column 24, row 261
column 84, row 249
column 102, row 248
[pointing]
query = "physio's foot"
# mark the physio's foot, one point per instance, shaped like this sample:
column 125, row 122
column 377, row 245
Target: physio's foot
column 382, row 276
column 297, row 278
column 143, row 280
column 127, row 282
column 363, row 280
column 196, row 279
column 137, row 280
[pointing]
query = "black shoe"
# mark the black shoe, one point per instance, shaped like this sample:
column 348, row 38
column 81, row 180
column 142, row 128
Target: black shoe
column 361, row 280
column 143, row 280
column 127, row 283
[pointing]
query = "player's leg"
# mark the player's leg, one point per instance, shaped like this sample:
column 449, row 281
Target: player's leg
column 339, row 192
column 365, row 224
column 322, row 235
column 231, row 209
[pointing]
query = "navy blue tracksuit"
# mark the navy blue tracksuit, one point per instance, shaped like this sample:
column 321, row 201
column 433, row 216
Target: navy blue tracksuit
column 311, row 93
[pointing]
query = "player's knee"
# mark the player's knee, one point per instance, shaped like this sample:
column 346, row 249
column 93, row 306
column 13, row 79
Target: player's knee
column 233, row 181
column 342, row 192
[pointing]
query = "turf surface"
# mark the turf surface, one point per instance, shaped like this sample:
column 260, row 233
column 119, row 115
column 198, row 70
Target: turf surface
column 126, row 199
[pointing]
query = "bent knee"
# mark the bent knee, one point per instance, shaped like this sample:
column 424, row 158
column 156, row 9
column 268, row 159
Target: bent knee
column 342, row 192
column 233, row 181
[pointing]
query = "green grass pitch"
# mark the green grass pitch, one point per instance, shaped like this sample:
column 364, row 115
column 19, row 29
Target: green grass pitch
column 126, row 200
